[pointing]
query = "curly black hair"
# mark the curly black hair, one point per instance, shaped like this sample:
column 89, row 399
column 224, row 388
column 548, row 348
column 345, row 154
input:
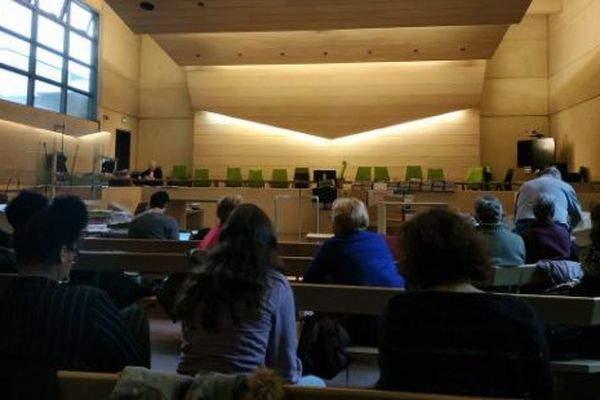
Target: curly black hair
column 440, row 247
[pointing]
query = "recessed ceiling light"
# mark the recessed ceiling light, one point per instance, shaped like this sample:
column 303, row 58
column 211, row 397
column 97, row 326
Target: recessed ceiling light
column 146, row 5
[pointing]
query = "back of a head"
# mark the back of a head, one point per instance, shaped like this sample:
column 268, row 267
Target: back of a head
column 488, row 210
column 439, row 247
column 159, row 199
column 552, row 172
column 49, row 230
column 543, row 208
column 349, row 214
column 232, row 277
column 20, row 210
column 226, row 205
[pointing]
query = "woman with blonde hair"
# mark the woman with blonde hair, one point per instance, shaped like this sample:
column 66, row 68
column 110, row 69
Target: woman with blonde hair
column 354, row 256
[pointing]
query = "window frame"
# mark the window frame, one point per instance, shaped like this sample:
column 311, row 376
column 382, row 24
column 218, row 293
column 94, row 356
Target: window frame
column 64, row 19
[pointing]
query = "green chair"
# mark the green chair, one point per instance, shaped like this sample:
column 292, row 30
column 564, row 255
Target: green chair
column 234, row 177
column 436, row 177
column 301, row 178
column 179, row 175
column 201, row 178
column 279, row 178
column 381, row 174
column 363, row 174
column 414, row 174
column 474, row 179
column 255, row 178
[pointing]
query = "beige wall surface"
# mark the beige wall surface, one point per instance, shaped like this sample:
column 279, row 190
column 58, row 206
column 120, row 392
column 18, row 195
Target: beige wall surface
column 450, row 141
column 515, row 94
column 166, row 117
column 574, row 66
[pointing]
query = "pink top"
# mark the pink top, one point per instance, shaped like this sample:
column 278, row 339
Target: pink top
column 211, row 238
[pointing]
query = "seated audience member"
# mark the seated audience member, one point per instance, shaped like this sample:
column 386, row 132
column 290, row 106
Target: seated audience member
column 18, row 213
column 446, row 336
column 590, row 283
column 354, row 256
column 506, row 248
column 153, row 172
column 59, row 326
column 7, row 254
column 154, row 223
column 225, row 206
column 237, row 310
column 546, row 239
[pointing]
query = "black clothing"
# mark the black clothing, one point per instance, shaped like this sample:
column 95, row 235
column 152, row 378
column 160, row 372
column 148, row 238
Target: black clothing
column 64, row 327
column 7, row 260
column 464, row 344
column 157, row 173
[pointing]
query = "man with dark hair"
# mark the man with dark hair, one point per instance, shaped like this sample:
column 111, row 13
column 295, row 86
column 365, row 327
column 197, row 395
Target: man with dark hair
column 154, row 224
column 53, row 325
column 567, row 207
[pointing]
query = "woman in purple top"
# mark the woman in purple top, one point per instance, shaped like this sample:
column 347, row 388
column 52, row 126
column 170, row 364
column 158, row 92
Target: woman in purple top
column 545, row 239
column 237, row 310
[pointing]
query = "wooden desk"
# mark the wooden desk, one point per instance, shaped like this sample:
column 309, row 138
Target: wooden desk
column 382, row 210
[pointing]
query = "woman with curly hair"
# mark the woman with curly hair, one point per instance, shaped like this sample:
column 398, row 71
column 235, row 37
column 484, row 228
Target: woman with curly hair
column 445, row 335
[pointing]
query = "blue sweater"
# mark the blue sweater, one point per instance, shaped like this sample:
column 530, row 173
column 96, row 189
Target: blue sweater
column 358, row 258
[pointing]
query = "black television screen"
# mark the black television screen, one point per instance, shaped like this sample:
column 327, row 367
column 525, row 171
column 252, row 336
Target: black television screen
column 323, row 174
column 536, row 153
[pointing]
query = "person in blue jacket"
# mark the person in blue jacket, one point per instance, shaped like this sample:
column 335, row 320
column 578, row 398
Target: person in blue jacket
column 354, row 256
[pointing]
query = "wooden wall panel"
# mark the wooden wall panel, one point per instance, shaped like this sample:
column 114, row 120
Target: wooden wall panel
column 574, row 59
column 333, row 100
column 450, row 141
column 515, row 95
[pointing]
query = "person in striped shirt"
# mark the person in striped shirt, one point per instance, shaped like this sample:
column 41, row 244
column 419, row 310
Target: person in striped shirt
column 51, row 324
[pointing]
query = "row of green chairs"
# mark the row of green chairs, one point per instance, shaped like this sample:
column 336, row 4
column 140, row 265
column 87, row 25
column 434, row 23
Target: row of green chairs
column 363, row 174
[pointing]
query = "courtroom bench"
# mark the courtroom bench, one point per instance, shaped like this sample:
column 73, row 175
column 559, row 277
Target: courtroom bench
column 98, row 386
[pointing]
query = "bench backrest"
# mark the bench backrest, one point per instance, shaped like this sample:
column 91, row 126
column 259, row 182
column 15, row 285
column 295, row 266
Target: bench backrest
column 98, row 386
column 286, row 249
column 583, row 311
column 163, row 262
column 524, row 275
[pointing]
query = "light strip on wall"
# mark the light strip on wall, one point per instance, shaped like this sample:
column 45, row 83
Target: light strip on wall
column 220, row 119
column 453, row 116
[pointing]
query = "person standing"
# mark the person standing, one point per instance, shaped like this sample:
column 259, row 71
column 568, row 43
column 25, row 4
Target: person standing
column 567, row 210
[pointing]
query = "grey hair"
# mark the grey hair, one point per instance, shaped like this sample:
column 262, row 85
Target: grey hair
column 488, row 210
column 349, row 214
column 543, row 207
column 552, row 171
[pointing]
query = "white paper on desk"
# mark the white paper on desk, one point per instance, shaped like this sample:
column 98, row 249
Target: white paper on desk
column 96, row 228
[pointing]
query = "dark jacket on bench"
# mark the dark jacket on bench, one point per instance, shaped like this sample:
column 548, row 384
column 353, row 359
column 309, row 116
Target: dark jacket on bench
column 466, row 344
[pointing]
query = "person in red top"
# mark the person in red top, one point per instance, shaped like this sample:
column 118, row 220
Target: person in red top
column 225, row 206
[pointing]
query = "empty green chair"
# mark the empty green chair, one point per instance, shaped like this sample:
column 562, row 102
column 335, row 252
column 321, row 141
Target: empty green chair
column 363, row 174
column 474, row 179
column 414, row 174
column 255, row 178
column 279, row 178
column 436, row 177
column 201, row 177
column 234, row 177
column 301, row 178
column 381, row 174
column 179, row 175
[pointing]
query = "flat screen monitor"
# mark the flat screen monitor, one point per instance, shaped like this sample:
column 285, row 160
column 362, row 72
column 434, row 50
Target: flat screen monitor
column 536, row 153
column 324, row 174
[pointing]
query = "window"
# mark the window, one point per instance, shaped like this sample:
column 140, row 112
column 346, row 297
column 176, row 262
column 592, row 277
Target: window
column 48, row 55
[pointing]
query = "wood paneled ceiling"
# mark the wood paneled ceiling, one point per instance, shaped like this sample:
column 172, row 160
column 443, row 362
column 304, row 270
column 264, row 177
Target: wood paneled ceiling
column 334, row 46
column 177, row 16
